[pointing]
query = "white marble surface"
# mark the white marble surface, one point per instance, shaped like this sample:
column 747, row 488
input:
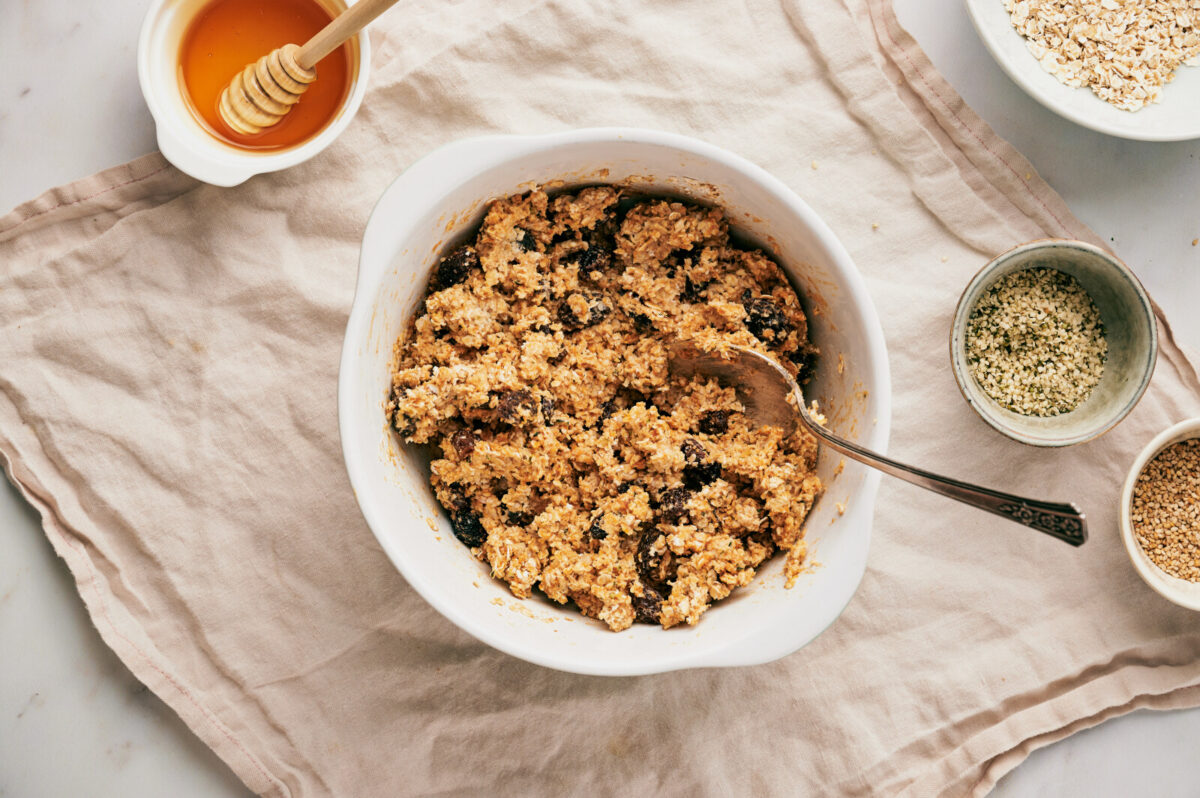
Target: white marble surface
column 73, row 721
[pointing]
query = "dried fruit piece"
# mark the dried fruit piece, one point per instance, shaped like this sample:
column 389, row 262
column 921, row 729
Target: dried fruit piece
column 596, row 531
column 468, row 528
column 693, row 451
column 697, row 476
column 518, row 518
column 765, row 320
column 693, row 292
column 515, row 406
column 525, row 240
column 456, row 267
column 463, row 442
column 673, row 505
column 578, row 311
column 647, row 608
column 642, row 323
column 714, row 422
column 652, row 561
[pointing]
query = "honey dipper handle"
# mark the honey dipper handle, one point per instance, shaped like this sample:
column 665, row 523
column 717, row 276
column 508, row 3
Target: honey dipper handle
column 341, row 28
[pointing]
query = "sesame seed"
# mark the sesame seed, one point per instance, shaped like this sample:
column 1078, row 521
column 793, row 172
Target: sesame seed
column 1165, row 510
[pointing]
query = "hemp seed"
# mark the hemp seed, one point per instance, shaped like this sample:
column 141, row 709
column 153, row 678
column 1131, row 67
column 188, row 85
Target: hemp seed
column 1035, row 342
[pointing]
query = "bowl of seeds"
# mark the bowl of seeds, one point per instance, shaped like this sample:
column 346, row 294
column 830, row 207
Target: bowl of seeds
column 1053, row 342
column 1160, row 514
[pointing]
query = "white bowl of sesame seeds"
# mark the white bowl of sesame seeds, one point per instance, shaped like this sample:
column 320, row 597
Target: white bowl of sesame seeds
column 1053, row 342
column 1160, row 514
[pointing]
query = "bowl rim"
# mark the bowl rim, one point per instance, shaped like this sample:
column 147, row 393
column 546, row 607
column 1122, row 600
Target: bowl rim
column 467, row 157
column 958, row 340
column 225, row 165
column 1160, row 581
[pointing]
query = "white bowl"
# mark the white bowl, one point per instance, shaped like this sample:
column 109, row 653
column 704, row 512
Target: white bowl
column 1180, row 591
column 181, row 138
column 1176, row 118
column 441, row 199
column 1130, row 328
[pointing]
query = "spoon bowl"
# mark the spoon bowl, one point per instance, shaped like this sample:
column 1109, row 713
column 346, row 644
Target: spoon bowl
column 772, row 398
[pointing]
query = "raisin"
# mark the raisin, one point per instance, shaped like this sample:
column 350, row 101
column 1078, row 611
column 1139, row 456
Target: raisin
column 625, row 486
column 593, row 259
column 457, row 496
column 642, row 323
column 463, row 442
column 805, row 359
column 647, row 608
column 525, row 240
column 606, row 411
column 693, row 292
column 697, row 476
column 673, row 505
column 596, row 313
column 514, row 404
column 596, row 531
column 765, row 320
column 714, row 422
column 693, row 451
column 468, row 528
column 653, row 569
column 518, row 518
column 403, row 424
column 456, row 267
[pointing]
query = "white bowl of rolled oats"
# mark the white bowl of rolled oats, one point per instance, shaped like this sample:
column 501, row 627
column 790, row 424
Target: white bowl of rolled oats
column 581, row 560
column 1053, row 342
column 1127, row 69
column 1160, row 516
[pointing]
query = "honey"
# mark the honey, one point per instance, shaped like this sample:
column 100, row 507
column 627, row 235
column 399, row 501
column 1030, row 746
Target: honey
column 226, row 35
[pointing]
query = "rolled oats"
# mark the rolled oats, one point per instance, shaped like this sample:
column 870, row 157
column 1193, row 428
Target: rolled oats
column 1124, row 50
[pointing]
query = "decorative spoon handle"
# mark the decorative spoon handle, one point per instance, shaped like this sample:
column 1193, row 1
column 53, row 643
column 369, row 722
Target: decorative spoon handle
column 1063, row 521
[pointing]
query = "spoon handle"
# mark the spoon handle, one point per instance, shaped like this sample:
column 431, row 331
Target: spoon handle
column 1059, row 520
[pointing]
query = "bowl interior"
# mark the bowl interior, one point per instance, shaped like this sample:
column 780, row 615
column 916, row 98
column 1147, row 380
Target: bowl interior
column 1129, row 327
column 1180, row 591
column 413, row 224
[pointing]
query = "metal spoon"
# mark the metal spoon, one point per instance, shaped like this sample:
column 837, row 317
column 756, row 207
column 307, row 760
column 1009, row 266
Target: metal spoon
column 772, row 398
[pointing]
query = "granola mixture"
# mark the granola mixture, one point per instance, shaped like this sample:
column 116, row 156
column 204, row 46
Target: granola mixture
column 1124, row 50
column 1165, row 513
column 567, row 456
column 1035, row 343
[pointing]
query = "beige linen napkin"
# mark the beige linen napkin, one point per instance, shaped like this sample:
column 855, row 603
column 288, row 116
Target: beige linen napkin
column 167, row 375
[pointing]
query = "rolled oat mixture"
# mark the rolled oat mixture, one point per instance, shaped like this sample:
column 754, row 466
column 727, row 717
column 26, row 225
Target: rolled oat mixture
column 1035, row 342
column 567, row 456
column 1124, row 50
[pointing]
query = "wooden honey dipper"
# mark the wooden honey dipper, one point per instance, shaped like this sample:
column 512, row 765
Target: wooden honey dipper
column 262, row 93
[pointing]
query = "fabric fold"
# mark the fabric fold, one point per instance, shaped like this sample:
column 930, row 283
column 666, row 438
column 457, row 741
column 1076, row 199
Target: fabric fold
column 167, row 403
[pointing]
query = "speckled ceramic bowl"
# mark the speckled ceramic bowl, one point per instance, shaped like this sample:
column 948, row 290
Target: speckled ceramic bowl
column 1129, row 324
column 1180, row 591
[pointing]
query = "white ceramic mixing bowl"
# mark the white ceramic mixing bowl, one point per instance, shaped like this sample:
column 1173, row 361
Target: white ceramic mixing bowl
column 438, row 201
